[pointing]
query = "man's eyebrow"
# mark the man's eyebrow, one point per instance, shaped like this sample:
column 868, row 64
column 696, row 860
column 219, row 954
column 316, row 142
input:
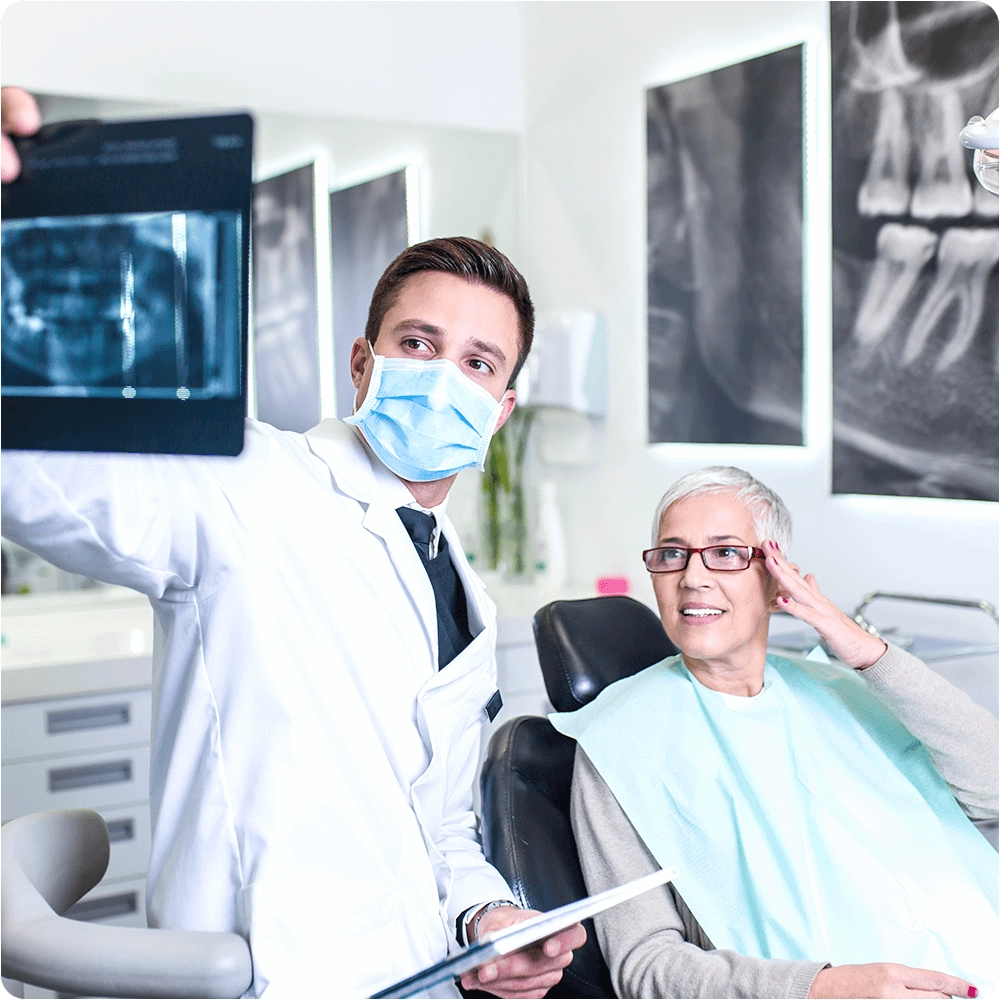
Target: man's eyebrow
column 420, row 325
column 486, row 347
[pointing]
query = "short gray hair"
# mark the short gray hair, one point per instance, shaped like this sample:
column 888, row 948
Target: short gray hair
column 769, row 513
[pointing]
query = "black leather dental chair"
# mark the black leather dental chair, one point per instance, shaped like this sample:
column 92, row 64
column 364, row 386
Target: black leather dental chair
column 582, row 646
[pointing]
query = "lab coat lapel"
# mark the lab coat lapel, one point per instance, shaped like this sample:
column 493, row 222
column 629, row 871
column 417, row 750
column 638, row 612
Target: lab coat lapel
column 338, row 446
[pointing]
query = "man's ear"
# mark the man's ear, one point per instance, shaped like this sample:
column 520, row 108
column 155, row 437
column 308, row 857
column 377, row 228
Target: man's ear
column 509, row 400
column 361, row 353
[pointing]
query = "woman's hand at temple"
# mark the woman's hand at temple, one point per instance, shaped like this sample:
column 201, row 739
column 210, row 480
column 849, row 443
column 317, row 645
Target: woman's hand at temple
column 883, row 979
column 800, row 596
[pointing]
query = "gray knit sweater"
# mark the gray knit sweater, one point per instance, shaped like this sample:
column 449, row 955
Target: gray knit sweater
column 653, row 944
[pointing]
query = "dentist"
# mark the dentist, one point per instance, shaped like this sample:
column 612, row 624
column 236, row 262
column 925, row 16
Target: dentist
column 324, row 658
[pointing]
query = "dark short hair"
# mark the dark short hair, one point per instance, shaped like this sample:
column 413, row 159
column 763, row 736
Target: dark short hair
column 478, row 263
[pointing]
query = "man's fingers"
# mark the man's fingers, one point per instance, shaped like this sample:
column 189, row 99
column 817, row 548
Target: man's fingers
column 18, row 111
column 531, row 986
column 568, row 940
column 19, row 114
column 10, row 163
column 524, row 964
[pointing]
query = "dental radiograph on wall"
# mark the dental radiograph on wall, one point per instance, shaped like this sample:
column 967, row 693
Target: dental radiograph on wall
column 285, row 300
column 724, row 266
column 915, row 252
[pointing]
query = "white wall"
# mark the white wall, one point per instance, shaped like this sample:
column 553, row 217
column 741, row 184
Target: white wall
column 587, row 67
column 425, row 61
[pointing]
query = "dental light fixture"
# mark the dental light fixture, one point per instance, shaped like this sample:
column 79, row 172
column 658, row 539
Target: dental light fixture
column 983, row 135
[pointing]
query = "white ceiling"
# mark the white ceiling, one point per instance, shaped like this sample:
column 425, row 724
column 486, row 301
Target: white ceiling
column 430, row 62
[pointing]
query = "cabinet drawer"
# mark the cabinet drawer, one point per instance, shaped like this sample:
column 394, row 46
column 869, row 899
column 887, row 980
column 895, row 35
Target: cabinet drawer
column 71, row 725
column 129, row 832
column 87, row 781
column 120, row 904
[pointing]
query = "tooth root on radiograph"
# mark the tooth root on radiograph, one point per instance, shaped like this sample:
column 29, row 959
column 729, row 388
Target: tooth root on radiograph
column 965, row 259
column 886, row 188
column 901, row 252
column 942, row 188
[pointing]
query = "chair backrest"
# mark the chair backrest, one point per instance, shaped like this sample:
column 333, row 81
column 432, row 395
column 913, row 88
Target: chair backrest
column 583, row 646
column 527, row 835
column 47, row 862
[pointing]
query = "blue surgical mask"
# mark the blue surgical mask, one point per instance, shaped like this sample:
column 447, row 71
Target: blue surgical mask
column 425, row 420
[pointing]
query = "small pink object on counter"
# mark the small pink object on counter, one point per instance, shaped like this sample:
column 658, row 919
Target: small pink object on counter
column 613, row 586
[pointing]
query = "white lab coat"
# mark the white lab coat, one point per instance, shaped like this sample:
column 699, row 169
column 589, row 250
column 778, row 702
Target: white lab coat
column 312, row 770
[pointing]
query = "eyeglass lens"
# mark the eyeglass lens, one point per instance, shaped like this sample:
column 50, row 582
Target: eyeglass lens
column 719, row 557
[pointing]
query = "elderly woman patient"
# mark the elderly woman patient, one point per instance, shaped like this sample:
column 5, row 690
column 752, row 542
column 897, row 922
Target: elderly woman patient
column 818, row 813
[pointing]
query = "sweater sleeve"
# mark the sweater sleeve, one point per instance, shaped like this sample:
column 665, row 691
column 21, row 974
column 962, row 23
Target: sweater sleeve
column 960, row 736
column 653, row 945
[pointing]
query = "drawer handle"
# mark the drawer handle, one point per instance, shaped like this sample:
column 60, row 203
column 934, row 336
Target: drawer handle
column 121, row 829
column 112, row 772
column 104, row 907
column 74, row 720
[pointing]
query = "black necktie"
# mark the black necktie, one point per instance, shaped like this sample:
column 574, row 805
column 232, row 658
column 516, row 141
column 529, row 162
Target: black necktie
column 449, row 596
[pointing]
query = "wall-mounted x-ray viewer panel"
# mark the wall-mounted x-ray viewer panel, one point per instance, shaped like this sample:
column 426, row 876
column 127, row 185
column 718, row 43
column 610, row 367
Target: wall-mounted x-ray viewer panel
column 371, row 223
column 292, row 334
column 125, row 275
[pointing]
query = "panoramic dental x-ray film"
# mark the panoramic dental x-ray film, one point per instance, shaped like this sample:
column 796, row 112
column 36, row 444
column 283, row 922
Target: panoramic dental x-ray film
column 125, row 278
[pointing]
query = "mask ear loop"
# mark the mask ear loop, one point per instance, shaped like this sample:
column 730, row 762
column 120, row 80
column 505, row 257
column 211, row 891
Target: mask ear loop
column 488, row 433
column 374, row 385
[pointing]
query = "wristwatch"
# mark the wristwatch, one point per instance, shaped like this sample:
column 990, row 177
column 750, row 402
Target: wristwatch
column 462, row 921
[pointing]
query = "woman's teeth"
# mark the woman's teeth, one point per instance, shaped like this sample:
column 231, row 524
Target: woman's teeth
column 701, row 612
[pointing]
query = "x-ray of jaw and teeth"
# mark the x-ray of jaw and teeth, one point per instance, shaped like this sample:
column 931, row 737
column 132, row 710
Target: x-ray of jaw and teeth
column 915, row 261
column 135, row 306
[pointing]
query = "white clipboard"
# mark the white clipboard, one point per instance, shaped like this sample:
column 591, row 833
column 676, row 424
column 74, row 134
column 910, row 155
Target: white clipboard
column 521, row 935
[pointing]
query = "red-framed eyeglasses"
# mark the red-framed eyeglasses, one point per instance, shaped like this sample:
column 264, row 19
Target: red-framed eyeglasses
column 718, row 558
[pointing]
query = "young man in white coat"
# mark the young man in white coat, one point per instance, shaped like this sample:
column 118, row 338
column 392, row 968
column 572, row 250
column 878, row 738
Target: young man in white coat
column 324, row 658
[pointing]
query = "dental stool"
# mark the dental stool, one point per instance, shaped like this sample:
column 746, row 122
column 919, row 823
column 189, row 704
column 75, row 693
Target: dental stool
column 48, row 861
column 582, row 646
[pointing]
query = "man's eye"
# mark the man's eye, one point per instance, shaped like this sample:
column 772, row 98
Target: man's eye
column 481, row 366
column 414, row 344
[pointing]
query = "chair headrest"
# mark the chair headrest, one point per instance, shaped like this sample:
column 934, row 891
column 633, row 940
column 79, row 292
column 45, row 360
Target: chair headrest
column 583, row 646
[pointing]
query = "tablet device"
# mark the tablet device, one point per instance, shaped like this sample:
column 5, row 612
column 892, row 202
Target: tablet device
column 125, row 287
column 528, row 932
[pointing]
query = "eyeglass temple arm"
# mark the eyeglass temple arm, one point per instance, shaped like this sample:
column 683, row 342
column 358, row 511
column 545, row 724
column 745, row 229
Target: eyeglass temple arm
column 949, row 601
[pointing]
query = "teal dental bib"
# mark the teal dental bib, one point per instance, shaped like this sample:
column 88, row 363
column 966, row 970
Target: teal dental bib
column 806, row 822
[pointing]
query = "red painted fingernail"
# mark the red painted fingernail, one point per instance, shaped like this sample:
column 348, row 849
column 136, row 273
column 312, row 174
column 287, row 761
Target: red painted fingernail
column 973, row 992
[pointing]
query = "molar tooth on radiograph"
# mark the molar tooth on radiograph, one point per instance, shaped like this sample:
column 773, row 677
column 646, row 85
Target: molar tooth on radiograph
column 965, row 259
column 883, row 69
column 942, row 187
column 901, row 253
column 886, row 188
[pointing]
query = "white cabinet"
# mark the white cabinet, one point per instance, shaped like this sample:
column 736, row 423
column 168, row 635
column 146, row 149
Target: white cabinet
column 76, row 725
